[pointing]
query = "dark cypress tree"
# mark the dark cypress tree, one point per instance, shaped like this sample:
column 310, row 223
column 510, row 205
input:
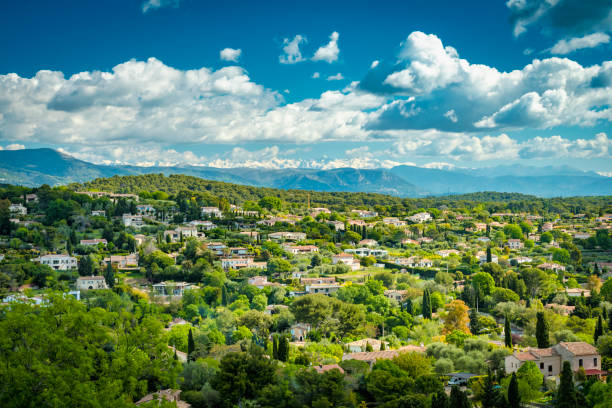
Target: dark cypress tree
column 283, row 349
column 190, row 346
column 73, row 237
column 439, row 400
column 514, row 398
column 491, row 397
column 458, row 398
column 275, row 346
column 566, row 393
column 489, row 255
column 382, row 346
column 224, row 296
column 69, row 247
column 542, row 331
column 109, row 276
column 410, row 308
column 474, row 322
column 368, row 347
column 599, row 330
column 426, row 308
column 507, row 333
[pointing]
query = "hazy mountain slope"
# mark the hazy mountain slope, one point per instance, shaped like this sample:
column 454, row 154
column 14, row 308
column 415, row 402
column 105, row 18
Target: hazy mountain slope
column 33, row 167
column 566, row 182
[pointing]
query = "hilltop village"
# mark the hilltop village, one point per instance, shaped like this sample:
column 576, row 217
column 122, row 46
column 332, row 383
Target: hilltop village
column 207, row 298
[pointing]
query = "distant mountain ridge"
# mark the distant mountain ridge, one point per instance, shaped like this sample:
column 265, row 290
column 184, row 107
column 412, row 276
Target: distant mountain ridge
column 34, row 167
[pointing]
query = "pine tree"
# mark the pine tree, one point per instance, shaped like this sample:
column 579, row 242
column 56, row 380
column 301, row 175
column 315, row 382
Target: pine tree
column 426, row 305
column 109, row 276
column 566, row 394
column 599, row 331
column 507, row 333
column 382, row 346
column 368, row 347
column 542, row 331
column 69, row 247
column 514, row 398
column 474, row 322
column 190, row 346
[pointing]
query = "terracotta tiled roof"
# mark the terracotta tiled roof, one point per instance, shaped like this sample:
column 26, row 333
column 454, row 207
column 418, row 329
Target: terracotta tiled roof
column 579, row 348
column 544, row 352
column 525, row 356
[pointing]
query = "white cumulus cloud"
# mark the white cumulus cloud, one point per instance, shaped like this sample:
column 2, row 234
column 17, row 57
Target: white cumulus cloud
column 291, row 50
column 434, row 81
column 328, row 53
column 230, row 54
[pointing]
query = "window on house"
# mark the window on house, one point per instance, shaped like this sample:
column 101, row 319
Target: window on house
column 580, row 363
column 595, row 362
column 550, row 369
column 541, row 366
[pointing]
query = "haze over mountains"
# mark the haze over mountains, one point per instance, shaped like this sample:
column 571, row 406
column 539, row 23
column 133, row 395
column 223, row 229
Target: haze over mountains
column 33, row 167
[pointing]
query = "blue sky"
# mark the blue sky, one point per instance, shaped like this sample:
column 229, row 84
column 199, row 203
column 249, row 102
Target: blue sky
column 314, row 84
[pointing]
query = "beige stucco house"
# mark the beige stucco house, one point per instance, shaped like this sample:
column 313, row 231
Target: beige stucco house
column 550, row 360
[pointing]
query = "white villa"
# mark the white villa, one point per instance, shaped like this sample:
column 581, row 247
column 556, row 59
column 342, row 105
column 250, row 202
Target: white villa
column 59, row 262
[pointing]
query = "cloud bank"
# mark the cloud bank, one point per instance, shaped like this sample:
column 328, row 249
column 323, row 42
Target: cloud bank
column 428, row 103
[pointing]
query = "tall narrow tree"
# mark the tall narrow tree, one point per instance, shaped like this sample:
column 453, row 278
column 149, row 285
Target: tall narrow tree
column 439, row 400
column 599, row 330
column 542, row 335
column 514, row 398
column 507, row 333
column 491, row 397
column 410, row 309
column 426, row 307
column 283, row 348
column 566, row 393
column 109, row 275
column 458, row 398
column 275, row 346
column 474, row 322
column 190, row 346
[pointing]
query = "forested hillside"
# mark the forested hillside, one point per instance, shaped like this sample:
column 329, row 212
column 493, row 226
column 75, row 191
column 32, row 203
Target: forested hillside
column 238, row 194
